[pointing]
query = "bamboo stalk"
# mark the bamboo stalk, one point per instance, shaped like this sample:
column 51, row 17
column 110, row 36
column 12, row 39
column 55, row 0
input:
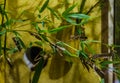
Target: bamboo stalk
column 2, row 22
column 110, row 37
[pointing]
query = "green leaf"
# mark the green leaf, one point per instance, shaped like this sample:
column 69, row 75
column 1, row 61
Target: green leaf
column 89, row 48
column 68, row 10
column 38, row 70
column 13, row 50
column 66, row 52
column 1, row 27
column 30, row 45
column 73, row 21
column 92, row 41
column 38, row 43
column 84, row 21
column 70, row 54
column 0, row 48
column 102, row 81
column 21, row 42
column 82, row 54
column 53, row 49
column 44, row 37
column 78, row 16
column 68, row 59
column 116, row 46
column 117, row 71
column 53, row 12
column 82, row 45
column 55, row 30
column 65, row 44
column 43, row 23
column 104, row 63
column 16, row 33
column 20, row 20
column 44, row 6
column 2, row 11
column 36, row 27
column 82, row 5
column 70, row 21
column 2, row 32
column 60, row 43
column 70, row 17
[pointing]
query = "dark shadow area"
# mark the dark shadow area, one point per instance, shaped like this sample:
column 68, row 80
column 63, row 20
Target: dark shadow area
column 13, row 73
column 117, row 24
column 59, row 67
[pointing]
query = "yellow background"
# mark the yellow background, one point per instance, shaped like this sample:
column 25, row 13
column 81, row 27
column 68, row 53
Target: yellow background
column 57, row 70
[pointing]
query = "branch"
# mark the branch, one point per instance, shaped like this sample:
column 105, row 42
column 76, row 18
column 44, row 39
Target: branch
column 93, row 7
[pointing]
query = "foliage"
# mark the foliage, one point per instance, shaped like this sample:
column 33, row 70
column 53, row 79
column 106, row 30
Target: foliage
column 60, row 46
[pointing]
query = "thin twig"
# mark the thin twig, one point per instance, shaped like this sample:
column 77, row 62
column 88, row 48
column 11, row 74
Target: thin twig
column 93, row 7
column 77, row 28
column 5, row 38
column 82, row 6
column 4, row 41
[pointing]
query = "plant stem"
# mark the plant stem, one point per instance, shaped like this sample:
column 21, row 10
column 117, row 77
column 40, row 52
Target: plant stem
column 70, row 47
column 5, row 38
column 2, row 22
column 93, row 7
column 81, row 9
column 4, row 41
column 77, row 28
column 0, row 46
column 82, row 6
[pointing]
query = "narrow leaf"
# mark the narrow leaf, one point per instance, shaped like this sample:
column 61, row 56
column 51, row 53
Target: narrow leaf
column 36, row 27
column 82, row 45
column 44, row 37
column 82, row 5
column 104, row 63
column 0, row 48
column 22, row 43
column 84, row 21
column 2, row 32
column 102, row 81
column 84, row 55
column 70, row 21
column 43, row 23
column 66, row 52
column 44, row 6
column 19, row 43
column 73, row 22
column 117, row 71
column 68, row 10
column 53, row 49
column 78, row 16
column 30, row 45
column 80, row 53
column 89, row 48
column 53, row 12
column 55, row 30
column 116, row 46
column 38, row 70
column 60, row 43
column 16, row 33
column 38, row 43
column 13, row 50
